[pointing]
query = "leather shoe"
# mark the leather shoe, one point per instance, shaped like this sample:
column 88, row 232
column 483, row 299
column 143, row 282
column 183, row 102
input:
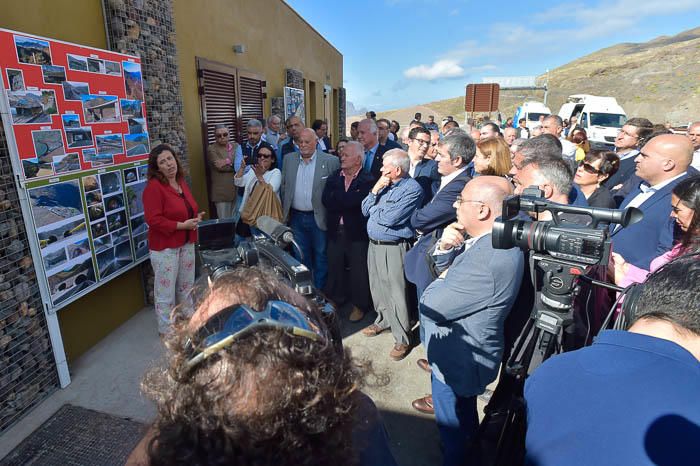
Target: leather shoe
column 399, row 351
column 372, row 330
column 424, row 405
column 425, row 365
column 356, row 314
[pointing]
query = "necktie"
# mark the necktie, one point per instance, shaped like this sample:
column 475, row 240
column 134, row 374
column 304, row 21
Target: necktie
column 368, row 160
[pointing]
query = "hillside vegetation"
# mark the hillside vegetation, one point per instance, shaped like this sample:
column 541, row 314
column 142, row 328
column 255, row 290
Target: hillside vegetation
column 658, row 79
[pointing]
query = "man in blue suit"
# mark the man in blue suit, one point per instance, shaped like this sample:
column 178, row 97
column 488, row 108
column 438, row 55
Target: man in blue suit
column 374, row 152
column 662, row 163
column 422, row 169
column 464, row 310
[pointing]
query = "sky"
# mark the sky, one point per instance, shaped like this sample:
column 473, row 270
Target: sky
column 399, row 53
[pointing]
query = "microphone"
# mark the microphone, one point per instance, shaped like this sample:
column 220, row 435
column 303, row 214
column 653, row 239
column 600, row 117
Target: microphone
column 277, row 231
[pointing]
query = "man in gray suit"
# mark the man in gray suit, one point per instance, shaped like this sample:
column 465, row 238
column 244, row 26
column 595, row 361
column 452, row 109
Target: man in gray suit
column 463, row 311
column 304, row 176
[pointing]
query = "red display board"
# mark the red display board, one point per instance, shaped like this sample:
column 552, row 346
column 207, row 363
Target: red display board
column 72, row 107
column 75, row 121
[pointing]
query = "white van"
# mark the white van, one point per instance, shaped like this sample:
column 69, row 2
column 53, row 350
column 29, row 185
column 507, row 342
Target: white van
column 601, row 117
column 531, row 111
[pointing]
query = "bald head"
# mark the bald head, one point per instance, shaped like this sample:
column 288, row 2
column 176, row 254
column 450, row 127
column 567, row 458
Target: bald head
column 664, row 157
column 307, row 142
column 481, row 202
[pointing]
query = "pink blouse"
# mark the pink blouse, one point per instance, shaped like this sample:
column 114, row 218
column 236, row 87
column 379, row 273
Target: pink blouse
column 638, row 275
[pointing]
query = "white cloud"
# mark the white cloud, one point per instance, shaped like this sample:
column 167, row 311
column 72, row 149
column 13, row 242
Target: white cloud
column 447, row 68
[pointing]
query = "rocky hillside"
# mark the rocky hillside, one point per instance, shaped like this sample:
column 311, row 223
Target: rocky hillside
column 658, row 79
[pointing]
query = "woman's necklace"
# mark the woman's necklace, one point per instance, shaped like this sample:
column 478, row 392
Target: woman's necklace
column 176, row 187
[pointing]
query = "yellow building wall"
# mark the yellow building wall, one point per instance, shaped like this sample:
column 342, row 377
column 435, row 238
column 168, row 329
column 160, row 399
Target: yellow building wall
column 89, row 319
column 275, row 37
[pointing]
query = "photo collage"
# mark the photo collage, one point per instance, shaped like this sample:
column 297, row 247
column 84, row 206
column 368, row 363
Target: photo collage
column 134, row 183
column 71, row 108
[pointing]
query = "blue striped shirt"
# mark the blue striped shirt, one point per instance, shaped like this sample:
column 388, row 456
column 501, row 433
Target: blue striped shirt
column 390, row 212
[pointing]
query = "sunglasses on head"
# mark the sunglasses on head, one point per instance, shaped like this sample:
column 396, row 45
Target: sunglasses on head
column 588, row 168
column 232, row 322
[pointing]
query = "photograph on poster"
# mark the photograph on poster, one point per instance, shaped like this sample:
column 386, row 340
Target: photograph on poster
column 32, row 51
column 113, row 68
column 48, row 143
column 93, row 198
column 33, row 168
column 70, row 120
column 98, row 229
column 78, row 248
column 120, row 236
column 143, row 172
column 138, row 225
column 79, row 137
column 102, row 244
column 141, row 245
column 95, row 65
column 105, row 263
column 55, row 202
column 130, row 175
column 77, row 62
column 77, row 275
column 110, row 183
column 53, row 74
column 100, row 108
column 54, row 258
column 134, row 196
column 133, row 81
column 116, row 221
column 66, row 163
column 102, row 161
column 137, row 125
column 96, row 212
column 294, row 103
column 137, row 144
column 29, row 107
column 15, row 79
column 114, row 202
column 109, row 144
column 60, row 231
column 72, row 90
column 90, row 182
column 131, row 109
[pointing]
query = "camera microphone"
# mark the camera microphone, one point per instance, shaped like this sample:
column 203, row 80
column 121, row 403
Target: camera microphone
column 277, row 231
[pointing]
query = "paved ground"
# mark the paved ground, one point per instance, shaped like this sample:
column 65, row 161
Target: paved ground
column 107, row 379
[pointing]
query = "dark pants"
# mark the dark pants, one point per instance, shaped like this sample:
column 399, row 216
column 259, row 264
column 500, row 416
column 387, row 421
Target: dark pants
column 312, row 241
column 457, row 420
column 348, row 285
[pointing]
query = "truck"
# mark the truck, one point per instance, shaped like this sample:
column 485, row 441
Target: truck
column 601, row 117
column 532, row 111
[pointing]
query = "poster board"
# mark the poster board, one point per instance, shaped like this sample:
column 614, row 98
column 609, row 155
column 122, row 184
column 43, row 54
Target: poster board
column 75, row 120
column 294, row 104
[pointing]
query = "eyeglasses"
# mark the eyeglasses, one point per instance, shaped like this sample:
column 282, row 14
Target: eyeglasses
column 222, row 330
column 222, row 135
column 421, row 142
column 588, row 168
column 459, row 201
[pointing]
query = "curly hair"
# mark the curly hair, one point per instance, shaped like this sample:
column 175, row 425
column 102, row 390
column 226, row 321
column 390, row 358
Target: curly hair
column 154, row 171
column 269, row 398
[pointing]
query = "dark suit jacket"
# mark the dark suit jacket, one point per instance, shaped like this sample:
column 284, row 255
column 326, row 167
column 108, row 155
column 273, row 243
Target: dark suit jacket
column 432, row 217
column 622, row 174
column 327, row 142
column 392, row 145
column 653, row 235
column 340, row 203
column 377, row 163
column 428, row 177
column 601, row 197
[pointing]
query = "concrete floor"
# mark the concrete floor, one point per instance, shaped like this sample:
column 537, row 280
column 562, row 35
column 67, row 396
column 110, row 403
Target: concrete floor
column 107, row 379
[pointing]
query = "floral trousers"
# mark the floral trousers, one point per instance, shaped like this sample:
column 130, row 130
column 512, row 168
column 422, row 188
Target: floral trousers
column 174, row 277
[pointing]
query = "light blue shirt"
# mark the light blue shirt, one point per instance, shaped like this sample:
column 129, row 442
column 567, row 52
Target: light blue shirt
column 303, row 189
column 238, row 159
column 390, row 212
column 369, row 157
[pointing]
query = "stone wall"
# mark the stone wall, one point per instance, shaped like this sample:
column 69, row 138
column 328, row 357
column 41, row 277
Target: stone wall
column 342, row 116
column 27, row 367
column 147, row 29
column 277, row 107
column 294, row 78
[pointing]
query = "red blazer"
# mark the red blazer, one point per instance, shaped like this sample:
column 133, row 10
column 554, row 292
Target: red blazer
column 163, row 208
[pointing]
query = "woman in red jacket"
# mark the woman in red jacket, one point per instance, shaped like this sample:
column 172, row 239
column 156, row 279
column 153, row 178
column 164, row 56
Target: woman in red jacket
column 172, row 218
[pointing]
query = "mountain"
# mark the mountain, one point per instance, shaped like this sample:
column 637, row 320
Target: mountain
column 657, row 79
column 350, row 110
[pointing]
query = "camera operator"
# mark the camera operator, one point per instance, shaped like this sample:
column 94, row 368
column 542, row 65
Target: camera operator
column 254, row 378
column 464, row 310
column 631, row 397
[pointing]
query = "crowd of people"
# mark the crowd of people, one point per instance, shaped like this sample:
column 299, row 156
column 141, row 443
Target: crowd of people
column 395, row 225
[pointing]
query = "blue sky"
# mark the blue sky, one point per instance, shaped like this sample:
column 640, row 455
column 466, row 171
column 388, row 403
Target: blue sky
column 405, row 52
